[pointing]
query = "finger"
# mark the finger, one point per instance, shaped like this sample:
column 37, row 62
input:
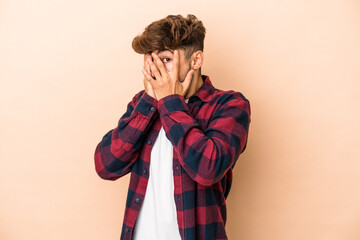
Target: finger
column 147, row 68
column 176, row 64
column 187, row 81
column 154, row 70
column 147, row 64
column 147, row 76
column 159, row 64
column 145, row 60
column 146, row 57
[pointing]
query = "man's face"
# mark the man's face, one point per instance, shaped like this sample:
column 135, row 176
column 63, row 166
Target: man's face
column 167, row 57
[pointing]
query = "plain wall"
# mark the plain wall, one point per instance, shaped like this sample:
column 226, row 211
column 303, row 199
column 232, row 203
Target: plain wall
column 67, row 71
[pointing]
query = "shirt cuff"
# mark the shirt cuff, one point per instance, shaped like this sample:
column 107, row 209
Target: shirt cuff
column 147, row 105
column 172, row 103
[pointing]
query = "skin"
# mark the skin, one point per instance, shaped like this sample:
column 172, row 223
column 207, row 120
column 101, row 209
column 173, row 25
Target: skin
column 167, row 72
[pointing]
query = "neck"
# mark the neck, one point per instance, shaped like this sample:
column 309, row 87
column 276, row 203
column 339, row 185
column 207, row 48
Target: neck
column 195, row 84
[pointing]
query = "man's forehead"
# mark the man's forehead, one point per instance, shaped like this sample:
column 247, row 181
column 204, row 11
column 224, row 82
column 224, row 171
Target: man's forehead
column 164, row 50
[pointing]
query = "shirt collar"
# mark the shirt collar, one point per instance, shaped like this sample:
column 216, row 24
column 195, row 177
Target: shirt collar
column 206, row 90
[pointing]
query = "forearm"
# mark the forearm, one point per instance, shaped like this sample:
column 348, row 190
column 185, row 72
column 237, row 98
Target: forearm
column 206, row 155
column 120, row 147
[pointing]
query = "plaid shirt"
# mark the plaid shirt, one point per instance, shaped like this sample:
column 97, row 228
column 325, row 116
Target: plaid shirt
column 208, row 134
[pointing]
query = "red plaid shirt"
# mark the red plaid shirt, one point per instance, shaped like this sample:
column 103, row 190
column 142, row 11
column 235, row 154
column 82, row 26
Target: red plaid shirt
column 208, row 134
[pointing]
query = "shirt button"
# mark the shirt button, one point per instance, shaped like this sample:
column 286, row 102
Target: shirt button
column 153, row 109
column 177, row 167
column 145, row 171
column 127, row 229
column 137, row 200
column 149, row 142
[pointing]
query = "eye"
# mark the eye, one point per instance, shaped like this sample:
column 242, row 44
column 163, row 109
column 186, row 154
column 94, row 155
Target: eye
column 167, row 59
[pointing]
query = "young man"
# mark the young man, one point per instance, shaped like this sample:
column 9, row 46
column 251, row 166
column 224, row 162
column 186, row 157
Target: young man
column 180, row 138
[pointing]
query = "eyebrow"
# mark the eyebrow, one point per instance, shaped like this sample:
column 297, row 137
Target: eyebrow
column 163, row 50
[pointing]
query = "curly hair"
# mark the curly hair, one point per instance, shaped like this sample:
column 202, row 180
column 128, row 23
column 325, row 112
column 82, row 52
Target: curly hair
column 173, row 32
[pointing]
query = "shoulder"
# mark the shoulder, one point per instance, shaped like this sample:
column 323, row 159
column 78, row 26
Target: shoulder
column 228, row 97
column 231, row 104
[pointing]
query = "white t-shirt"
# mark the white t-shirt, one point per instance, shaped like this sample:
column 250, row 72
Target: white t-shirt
column 157, row 219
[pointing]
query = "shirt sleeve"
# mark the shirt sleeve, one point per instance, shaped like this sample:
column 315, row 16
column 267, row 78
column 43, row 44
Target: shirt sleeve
column 206, row 155
column 120, row 147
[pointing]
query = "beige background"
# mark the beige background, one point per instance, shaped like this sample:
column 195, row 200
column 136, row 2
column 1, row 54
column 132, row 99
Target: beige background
column 67, row 71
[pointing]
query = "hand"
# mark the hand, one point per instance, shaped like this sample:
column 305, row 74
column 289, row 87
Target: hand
column 167, row 82
column 147, row 85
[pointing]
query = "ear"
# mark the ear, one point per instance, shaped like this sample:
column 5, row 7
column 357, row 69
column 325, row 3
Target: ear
column 197, row 59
